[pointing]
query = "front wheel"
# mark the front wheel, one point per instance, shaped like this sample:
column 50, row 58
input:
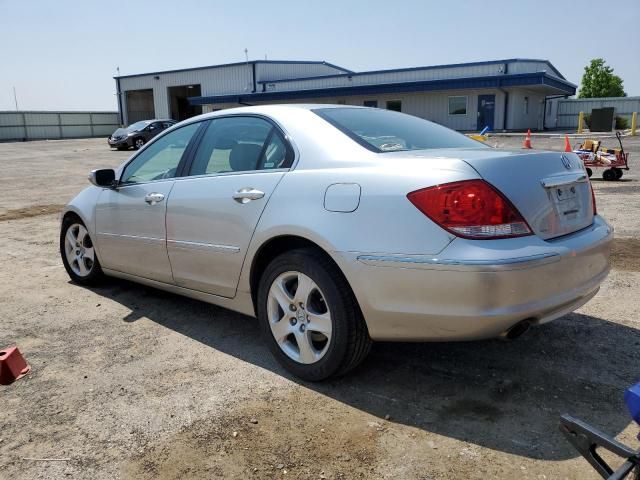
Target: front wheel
column 78, row 253
column 138, row 143
column 309, row 316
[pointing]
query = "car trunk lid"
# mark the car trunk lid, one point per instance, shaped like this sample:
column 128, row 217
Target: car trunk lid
column 550, row 189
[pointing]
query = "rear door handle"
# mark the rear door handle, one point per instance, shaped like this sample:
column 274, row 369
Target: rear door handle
column 245, row 195
column 153, row 198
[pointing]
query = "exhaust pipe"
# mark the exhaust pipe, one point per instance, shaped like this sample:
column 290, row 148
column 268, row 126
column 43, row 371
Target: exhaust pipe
column 516, row 330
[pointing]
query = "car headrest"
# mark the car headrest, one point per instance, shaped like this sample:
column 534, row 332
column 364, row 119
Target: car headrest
column 225, row 143
column 244, row 156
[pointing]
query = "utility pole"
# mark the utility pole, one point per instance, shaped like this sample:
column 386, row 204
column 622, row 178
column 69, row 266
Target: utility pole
column 15, row 98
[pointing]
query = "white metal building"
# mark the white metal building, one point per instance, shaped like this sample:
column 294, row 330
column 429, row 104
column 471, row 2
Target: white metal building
column 501, row 94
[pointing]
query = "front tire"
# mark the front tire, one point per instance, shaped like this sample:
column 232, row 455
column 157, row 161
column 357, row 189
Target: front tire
column 309, row 316
column 138, row 143
column 78, row 253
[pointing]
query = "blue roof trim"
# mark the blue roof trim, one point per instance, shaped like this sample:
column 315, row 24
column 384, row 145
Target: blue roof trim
column 413, row 69
column 494, row 81
column 235, row 64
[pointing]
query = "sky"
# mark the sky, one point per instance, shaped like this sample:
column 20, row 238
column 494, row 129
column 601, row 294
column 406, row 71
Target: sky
column 63, row 54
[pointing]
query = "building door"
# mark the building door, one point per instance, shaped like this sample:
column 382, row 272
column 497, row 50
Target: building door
column 139, row 105
column 179, row 104
column 486, row 111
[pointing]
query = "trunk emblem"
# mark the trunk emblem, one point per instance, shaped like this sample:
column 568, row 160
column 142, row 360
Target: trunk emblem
column 566, row 162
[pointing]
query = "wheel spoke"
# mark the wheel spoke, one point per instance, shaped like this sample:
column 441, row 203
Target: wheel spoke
column 71, row 256
column 82, row 267
column 319, row 322
column 305, row 286
column 281, row 329
column 89, row 253
column 280, row 294
column 82, row 233
column 307, row 353
column 70, row 238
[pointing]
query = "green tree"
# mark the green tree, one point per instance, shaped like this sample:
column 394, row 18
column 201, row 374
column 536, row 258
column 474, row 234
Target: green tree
column 600, row 81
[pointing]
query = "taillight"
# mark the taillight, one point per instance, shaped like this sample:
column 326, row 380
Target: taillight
column 593, row 199
column 471, row 209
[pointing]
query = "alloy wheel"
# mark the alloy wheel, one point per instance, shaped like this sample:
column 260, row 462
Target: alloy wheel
column 79, row 250
column 299, row 317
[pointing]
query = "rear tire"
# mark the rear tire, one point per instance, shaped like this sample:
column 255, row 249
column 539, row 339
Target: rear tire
column 609, row 175
column 589, row 172
column 297, row 288
column 78, row 253
column 618, row 173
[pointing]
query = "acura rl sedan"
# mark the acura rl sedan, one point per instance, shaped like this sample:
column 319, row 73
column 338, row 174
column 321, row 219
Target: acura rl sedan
column 337, row 226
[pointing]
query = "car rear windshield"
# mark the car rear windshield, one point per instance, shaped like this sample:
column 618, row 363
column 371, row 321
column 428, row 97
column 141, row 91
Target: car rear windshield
column 386, row 131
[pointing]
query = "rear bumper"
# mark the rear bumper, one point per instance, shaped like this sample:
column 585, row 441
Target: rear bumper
column 478, row 289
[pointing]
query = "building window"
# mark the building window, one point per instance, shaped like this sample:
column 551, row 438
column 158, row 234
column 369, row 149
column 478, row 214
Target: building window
column 371, row 103
column 526, row 105
column 395, row 105
column 458, row 105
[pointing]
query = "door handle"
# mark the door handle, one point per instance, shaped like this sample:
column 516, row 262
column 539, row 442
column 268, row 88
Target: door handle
column 245, row 195
column 153, row 198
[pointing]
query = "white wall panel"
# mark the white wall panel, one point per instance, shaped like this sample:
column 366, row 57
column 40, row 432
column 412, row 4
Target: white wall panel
column 77, row 131
column 54, row 125
column 275, row 71
column 75, row 118
column 432, row 106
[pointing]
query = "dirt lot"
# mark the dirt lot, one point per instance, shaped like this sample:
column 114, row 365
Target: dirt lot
column 129, row 382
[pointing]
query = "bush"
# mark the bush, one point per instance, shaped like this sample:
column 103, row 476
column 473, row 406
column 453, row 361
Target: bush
column 622, row 123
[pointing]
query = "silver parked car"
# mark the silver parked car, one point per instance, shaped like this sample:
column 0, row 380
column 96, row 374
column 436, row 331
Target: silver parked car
column 337, row 225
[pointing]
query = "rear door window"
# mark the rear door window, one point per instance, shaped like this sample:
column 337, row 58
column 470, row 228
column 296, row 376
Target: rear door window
column 240, row 144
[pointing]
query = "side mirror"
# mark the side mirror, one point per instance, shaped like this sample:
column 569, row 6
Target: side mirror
column 104, row 177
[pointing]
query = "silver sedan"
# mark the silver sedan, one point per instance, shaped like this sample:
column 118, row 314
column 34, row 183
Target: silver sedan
column 336, row 226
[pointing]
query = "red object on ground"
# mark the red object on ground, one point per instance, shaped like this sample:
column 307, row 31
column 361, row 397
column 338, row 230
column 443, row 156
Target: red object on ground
column 567, row 145
column 12, row 365
column 527, row 140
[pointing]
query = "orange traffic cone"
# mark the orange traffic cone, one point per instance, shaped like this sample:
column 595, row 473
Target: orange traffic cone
column 527, row 140
column 567, row 145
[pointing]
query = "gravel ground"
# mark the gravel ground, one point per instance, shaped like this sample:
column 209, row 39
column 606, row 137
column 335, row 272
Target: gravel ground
column 130, row 382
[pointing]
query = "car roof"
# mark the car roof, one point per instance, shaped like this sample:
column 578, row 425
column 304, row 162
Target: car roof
column 157, row 120
column 272, row 109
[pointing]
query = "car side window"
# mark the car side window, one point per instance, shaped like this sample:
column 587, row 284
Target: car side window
column 275, row 154
column 236, row 144
column 166, row 125
column 161, row 158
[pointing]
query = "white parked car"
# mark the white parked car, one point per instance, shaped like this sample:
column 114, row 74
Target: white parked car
column 338, row 225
